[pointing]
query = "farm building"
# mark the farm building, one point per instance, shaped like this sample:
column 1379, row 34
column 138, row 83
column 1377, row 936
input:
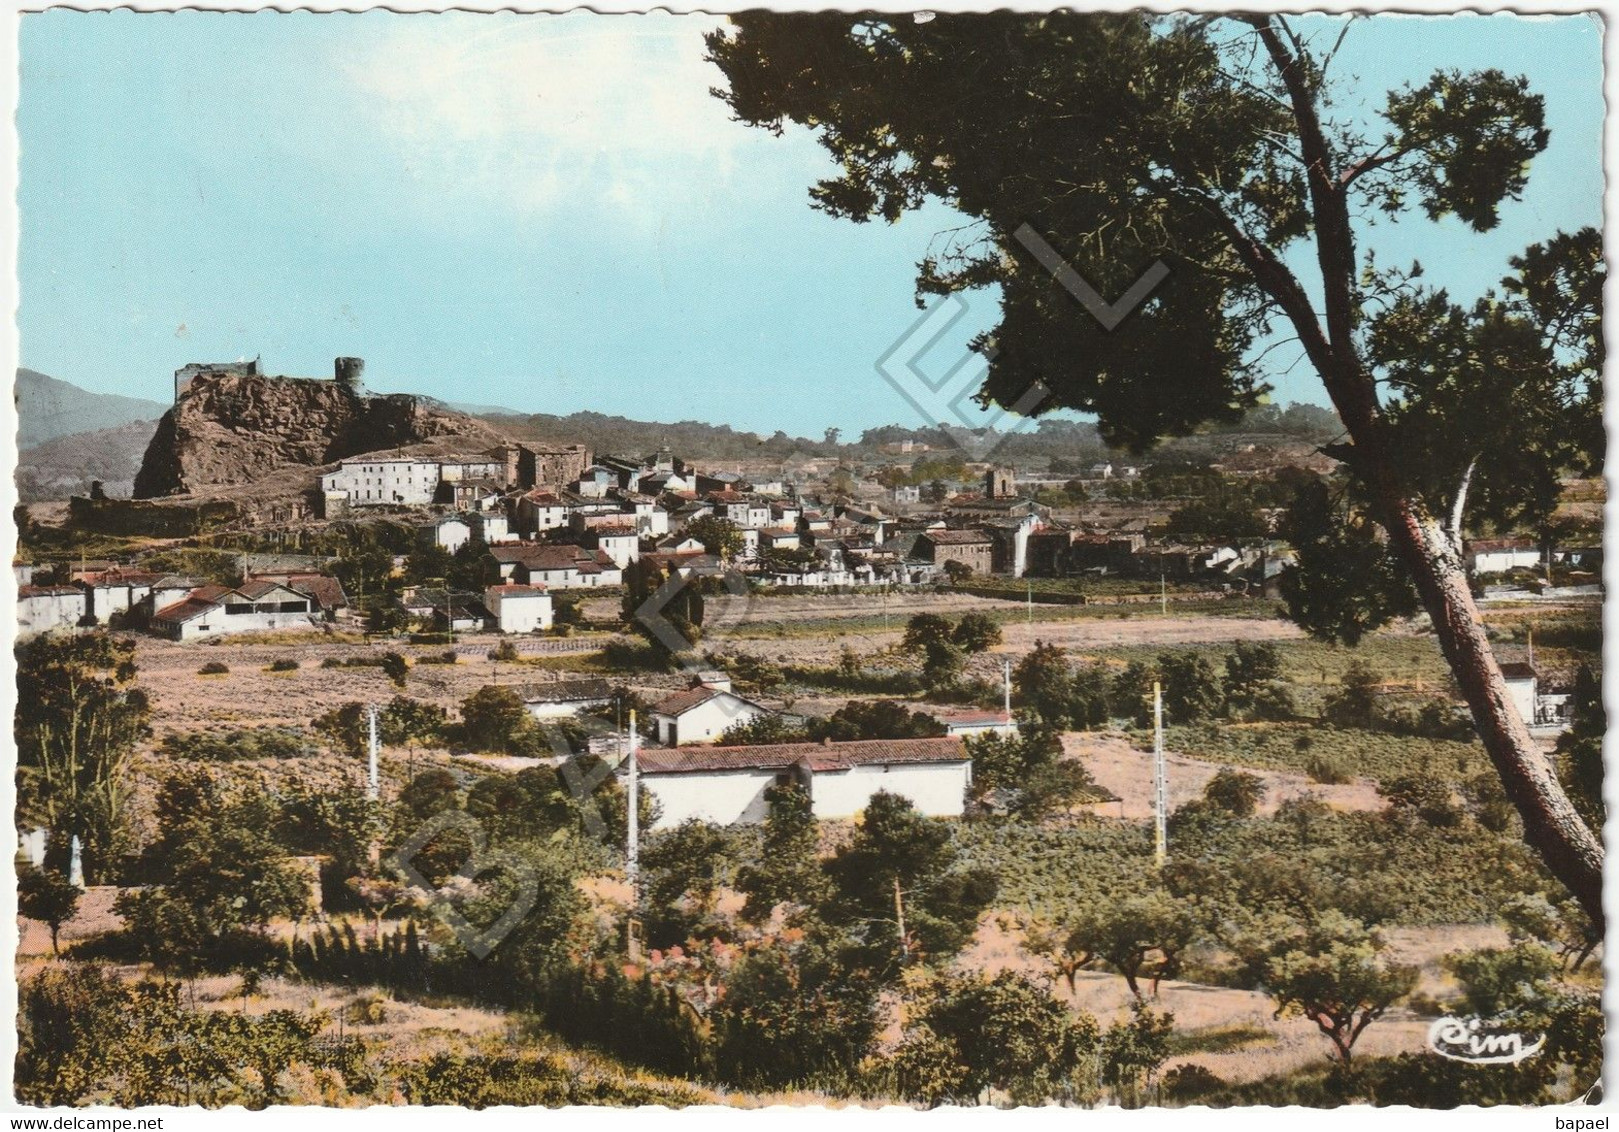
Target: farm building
column 209, row 611
column 563, row 698
column 518, row 609
column 43, row 608
column 703, row 712
column 1501, row 555
column 727, row 785
column 963, row 722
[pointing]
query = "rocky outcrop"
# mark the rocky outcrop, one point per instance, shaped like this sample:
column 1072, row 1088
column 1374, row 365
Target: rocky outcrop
column 235, row 429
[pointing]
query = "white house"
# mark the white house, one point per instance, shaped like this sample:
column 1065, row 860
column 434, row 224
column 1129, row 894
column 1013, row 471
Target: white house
column 493, row 527
column 43, row 608
column 465, row 469
column 541, row 510
column 452, row 532
column 562, row 698
column 210, row 611
column 726, row 785
column 519, row 609
column 963, row 722
column 703, row 712
column 108, row 592
column 1523, row 686
column 369, row 481
column 620, row 543
column 1499, row 555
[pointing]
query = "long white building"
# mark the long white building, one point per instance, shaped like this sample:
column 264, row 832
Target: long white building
column 727, row 785
column 373, row 482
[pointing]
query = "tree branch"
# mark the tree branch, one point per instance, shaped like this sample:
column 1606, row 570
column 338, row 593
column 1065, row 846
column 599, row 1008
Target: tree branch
column 1459, row 505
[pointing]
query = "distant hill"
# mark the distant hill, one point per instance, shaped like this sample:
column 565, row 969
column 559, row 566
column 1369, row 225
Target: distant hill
column 65, row 465
column 693, row 440
column 48, row 408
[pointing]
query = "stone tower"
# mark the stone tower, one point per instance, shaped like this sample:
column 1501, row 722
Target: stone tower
column 999, row 482
column 350, row 374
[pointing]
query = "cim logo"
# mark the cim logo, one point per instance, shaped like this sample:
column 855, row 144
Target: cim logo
column 1480, row 1042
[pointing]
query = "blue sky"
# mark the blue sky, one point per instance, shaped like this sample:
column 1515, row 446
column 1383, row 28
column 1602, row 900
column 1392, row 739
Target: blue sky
column 550, row 213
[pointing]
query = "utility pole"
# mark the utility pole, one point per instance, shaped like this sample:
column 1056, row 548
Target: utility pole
column 1031, row 603
column 1006, row 678
column 1160, row 824
column 1163, row 595
column 632, row 848
column 372, row 782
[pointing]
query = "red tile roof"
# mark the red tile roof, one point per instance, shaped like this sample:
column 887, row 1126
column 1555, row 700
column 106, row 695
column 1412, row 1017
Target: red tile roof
column 683, row 701
column 326, row 591
column 971, row 718
column 956, row 538
column 185, row 610
column 817, row 756
column 49, row 591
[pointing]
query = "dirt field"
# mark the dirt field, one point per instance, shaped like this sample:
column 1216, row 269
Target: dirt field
column 1127, row 772
column 251, row 696
column 1266, row 1044
column 1079, row 635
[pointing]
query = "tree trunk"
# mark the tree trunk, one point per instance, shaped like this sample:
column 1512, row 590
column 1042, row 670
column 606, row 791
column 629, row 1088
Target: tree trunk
column 1551, row 824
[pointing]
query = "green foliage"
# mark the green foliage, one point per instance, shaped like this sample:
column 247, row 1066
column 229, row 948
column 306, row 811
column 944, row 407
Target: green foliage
column 346, row 727
column 1142, row 937
column 1235, row 792
column 79, row 719
column 1332, row 971
column 406, row 722
column 218, row 859
column 214, row 668
column 896, row 888
column 1422, row 798
column 395, row 667
column 967, row 1034
column 1347, row 582
column 795, row 1012
column 719, row 536
column 1191, row 689
column 1024, row 774
column 976, row 632
column 787, row 870
column 684, row 868
column 1355, row 704
column 283, row 664
column 493, row 719
column 1495, row 980
column 1328, row 769
column 1134, row 1051
column 238, row 744
column 682, row 609
column 1338, row 754
column 1043, row 685
column 86, row 1038
column 48, row 897
column 1252, row 675
column 762, row 729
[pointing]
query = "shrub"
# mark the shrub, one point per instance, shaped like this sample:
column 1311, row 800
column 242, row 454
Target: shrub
column 242, row 743
column 1191, row 1082
column 284, row 664
column 1327, row 769
column 214, row 668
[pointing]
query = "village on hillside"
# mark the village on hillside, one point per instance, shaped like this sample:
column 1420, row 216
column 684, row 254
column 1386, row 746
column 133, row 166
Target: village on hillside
column 1062, row 646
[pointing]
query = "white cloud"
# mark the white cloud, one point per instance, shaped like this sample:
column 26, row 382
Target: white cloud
column 535, row 112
